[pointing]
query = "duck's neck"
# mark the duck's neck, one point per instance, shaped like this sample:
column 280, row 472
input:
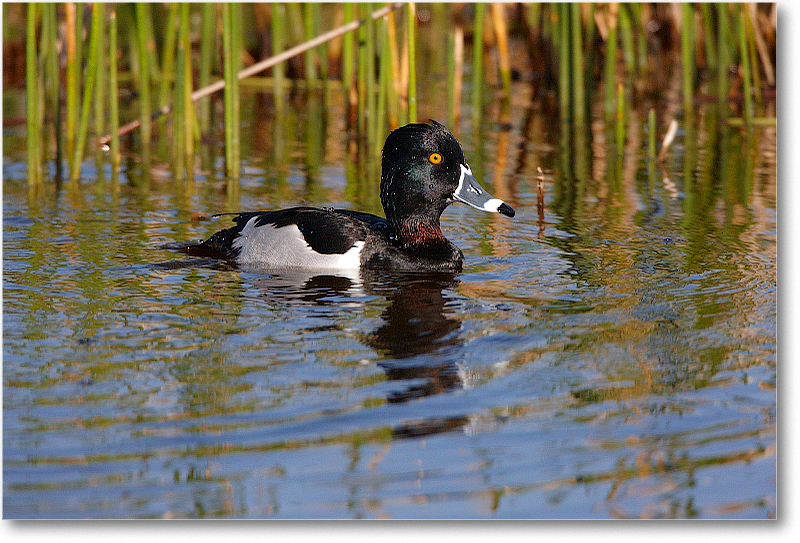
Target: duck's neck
column 418, row 232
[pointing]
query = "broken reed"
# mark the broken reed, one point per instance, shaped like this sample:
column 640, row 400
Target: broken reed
column 731, row 34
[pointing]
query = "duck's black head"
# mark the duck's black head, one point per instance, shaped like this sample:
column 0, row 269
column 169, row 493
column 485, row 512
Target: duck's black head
column 423, row 171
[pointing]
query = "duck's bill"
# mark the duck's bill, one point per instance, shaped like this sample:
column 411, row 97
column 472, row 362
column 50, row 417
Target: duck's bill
column 471, row 193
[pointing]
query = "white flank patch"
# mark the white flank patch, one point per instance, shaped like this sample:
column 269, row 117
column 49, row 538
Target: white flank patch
column 286, row 248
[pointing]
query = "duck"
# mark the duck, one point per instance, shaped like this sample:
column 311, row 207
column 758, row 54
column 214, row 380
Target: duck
column 423, row 171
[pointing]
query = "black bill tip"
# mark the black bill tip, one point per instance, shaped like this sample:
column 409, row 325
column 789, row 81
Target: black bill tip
column 506, row 210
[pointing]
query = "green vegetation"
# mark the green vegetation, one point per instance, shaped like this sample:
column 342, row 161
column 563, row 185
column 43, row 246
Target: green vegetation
column 370, row 53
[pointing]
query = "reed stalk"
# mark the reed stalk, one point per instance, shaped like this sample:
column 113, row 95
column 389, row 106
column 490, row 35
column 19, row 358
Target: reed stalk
column 370, row 75
column 477, row 63
column 71, row 79
column 101, row 83
column 451, row 78
column 384, row 83
column 207, row 50
column 88, row 93
column 348, row 66
column 761, row 46
column 723, row 48
column 745, row 63
column 33, row 123
column 620, row 132
column 564, row 67
column 310, row 31
column 578, row 84
column 641, row 38
column 501, row 34
column 590, row 30
column 651, row 143
column 611, row 56
column 113, row 82
column 687, row 54
column 709, row 38
column 231, row 55
column 50, row 37
column 626, row 35
column 751, row 50
column 411, row 25
column 361, row 68
column 458, row 73
column 393, row 62
column 324, row 68
column 190, row 120
column 181, row 98
column 142, row 16
column 168, row 54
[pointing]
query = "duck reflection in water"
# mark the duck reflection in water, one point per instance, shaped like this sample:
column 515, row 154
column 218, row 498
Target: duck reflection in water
column 420, row 341
column 419, row 338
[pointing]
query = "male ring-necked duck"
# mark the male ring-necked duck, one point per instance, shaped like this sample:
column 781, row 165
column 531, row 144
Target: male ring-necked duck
column 423, row 171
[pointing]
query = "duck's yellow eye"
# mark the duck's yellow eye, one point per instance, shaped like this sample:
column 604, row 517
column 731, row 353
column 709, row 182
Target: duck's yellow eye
column 435, row 158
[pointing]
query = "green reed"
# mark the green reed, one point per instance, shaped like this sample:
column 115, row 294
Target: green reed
column 113, row 83
column 745, row 62
column 32, row 101
column 477, row 63
column 376, row 68
column 50, row 51
column 411, row 29
column 88, row 92
column 231, row 67
column 145, row 60
column 207, row 48
column 687, row 54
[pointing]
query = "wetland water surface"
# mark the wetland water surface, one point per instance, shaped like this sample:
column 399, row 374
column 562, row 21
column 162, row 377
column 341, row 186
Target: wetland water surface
column 612, row 355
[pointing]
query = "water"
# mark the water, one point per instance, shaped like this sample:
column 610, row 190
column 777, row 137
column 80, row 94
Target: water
column 613, row 355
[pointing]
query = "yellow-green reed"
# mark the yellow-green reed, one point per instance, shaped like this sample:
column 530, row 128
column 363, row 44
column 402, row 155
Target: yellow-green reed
column 100, row 80
column 626, row 37
column 88, row 92
column 361, row 74
column 113, row 83
column 310, row 30
column 477, row 63
column 578, row 84
column 611, row 57
column 651, row 144
column 183, row 121
column 501, row 38
column 731, row 36
column 372, row 102
column 397, row 80
column 709, row 37
column 348, row 65
column 724, row 48
column 32, row 101
column 747, row 112
column 620, row 126
column 72, row 79
column 230, row 38
column 142, row 18
column 49, row 41
column 168, row 57
column 451, row 78
column 384, row 82
column 207, row 49
column 411, row 28
column 564, row 67
column 687, row 54
column 390, row 60
column 751, row 51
